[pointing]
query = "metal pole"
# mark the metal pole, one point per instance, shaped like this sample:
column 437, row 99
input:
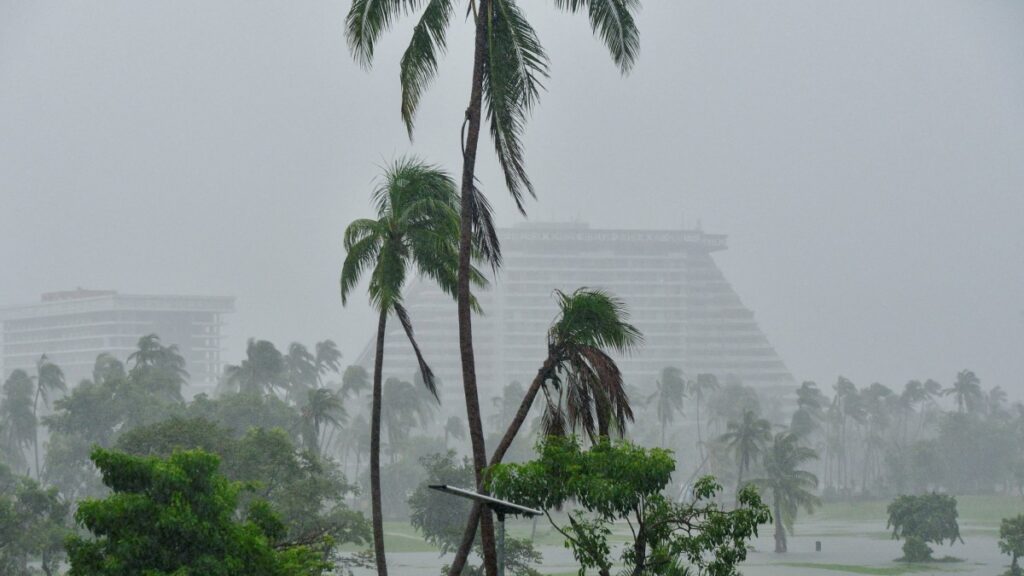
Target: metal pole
column 501, row 544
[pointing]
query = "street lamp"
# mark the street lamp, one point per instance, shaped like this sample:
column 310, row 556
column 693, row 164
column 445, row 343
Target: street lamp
column 501, row 508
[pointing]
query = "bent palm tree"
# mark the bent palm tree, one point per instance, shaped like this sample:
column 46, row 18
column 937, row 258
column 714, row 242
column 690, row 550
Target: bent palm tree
column 416, row 230
column 791, row 487
column 746, row 440
column 454, row 428
column 668, row 398
column 704, row 384
column 323, row 408
column 326, row 358
column 509, row 66
column 17, row 419
column 262, row 370
column 590, row 324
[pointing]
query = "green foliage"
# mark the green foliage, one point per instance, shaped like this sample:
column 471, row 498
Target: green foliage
column 928, row 518
column 33, row 525
column 1011, row 541
column 177, row 516
column 17, row 419
column 620, row 481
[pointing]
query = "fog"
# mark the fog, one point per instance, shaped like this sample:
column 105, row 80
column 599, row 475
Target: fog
column 865, row 160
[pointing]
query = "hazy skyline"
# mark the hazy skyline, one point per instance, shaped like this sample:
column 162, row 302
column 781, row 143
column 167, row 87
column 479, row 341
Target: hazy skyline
column 866, row 160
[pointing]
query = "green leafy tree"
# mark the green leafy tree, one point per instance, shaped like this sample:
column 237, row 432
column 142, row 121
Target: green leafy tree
column 177, row 516
column 791, row 487
column 746, row 439
column 616, row 482
column 415, row 230
column 668, row 398
column 1011, row 541
column 17, row 418
column 509, row 66
column 920, row 520
column 33, row 525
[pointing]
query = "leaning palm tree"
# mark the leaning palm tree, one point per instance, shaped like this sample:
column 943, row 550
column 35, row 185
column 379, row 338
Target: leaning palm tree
column 17, row 419
column 454, row 428
column 746, row 440
column 301, row 373
column 590, row 324
column 791, row 488
column 668, row 397
column 160, row 368
column 262, row 370
column 354, row 381
column 49, row 379
column 416, row 230
column 326, row 358
column 509, row 67
column 966, row 390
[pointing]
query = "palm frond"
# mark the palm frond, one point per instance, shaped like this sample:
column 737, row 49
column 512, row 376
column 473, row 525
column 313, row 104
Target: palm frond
column 513, row 69
column 425, row 372
column 367, row 20
column 419, row 63
column 361, row 256
column 614, row 21
column 485, row 233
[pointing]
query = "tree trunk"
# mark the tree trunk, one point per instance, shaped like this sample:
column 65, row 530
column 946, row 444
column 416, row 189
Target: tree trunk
column 780, row 530
column 375, row 501
column 35, row 429
column 476, row 430
column 469, row 534
column 640, row 552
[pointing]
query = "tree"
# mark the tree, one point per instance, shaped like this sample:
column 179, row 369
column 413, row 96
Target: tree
column 924, row 519
column 354, row 381
column 416, row 227
column 49, row 380
column 668, row 397
column 454, row 428
column 790, row 487
column 966, row 390
column 177, row 516
column 161, row 368
column 1011, row 541
column 33, row 525
column 403, row 408
column 622, row 482
column 326, row 358
column 746, row 440
column 301, row 371
column 323, row 409
column 581, row 382
column 17, row 418
column 262, row 370
column 509, row 65
column 703, row 385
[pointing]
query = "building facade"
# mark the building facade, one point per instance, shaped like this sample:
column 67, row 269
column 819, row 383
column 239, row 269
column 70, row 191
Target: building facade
column 690, row 316
column 74, row 327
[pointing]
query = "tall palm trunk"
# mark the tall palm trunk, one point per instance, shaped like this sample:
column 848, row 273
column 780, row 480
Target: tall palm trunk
column 476, row 429
column 375, row 501
column 466, row 545
column 35, row 429
column 780, row 529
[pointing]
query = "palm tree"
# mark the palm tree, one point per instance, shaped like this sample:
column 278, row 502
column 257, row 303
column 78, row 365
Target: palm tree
column 416, row 228
column 967, row 391
column 160, row 368
column 509, row 66
column 454, row 428
column 590, row 324
column 746, row 439
column 790, row 487
column 354, row 381
column 323, row 408
column 262, row 370
column 404, row 407
column 668, row 398
column 49, row 379
column 301, row 372
column 704, row 384
column 107, row 368
column 326, row 358
column 17, row 418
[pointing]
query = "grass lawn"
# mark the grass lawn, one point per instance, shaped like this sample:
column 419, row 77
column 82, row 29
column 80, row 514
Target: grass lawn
column 981, row 511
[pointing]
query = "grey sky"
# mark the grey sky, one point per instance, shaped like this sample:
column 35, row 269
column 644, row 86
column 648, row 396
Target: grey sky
column 866, row 159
